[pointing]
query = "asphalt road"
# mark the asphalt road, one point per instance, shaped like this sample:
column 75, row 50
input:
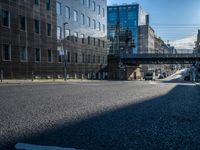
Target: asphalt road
column 101, row 115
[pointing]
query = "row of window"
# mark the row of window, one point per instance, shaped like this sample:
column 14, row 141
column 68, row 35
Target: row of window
column 6, row 54
column 89, row 4
column 84, row 58
column 48, row 4
column 83, row 20
column 74, row 37
column 23, row 23
column 37, row 26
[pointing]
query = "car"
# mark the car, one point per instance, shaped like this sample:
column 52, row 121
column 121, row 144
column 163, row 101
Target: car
column 150, row 76
column 160, row 76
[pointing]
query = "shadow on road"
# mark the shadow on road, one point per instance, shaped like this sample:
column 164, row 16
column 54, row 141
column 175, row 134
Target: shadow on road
column 169, row 121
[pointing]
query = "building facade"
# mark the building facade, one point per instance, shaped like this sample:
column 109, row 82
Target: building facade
column 32, row 37
column 124, row 18
column 82, row 25
column 197, row 43
column 146, row 42
column 28, row 38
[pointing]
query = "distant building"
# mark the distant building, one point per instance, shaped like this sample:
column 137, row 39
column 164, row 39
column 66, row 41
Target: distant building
column 197, row 43
column 122, row 18
column 123, row 23
column 146, row 42
column 162, row 48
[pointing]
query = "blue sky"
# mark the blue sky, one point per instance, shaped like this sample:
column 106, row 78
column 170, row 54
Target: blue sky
column 172, row 20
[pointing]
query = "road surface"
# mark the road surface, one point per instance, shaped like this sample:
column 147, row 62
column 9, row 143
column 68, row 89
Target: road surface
column 101, row 115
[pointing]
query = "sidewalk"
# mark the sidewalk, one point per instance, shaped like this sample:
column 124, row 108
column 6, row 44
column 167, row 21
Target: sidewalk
column 29, row 81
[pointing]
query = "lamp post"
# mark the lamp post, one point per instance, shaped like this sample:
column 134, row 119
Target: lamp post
column 65, row 54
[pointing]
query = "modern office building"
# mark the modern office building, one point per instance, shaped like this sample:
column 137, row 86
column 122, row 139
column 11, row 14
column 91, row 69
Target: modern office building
column 28, row 38
column 32, row 37
column 122, row 18
column 83, row 26
column 123, row 38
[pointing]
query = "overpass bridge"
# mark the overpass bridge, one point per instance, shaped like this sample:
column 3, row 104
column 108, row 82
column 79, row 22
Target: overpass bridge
column 161, row 59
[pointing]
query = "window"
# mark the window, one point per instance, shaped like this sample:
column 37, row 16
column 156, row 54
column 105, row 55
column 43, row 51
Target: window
column 67, row 12
column 99, row 9
column 59, row 33
column 103, row 44
column 22, row 23
column 93, row 6
column 37, row 55
column 58, row 8
column 103, row 11
column 82, row 38
column 88, row 3
column 88, row 40
column 99, row 43
column 48, row 4
column 88, row 21
column 94, row 24
column 82, row 19
column 76, row 36
column 99, row 26
column 94, row 42
column 82, row 2
column 5, row 18
column 98, row 59
column 68, row 57
column 75, row 16
column 89, row 58
column 23, row 54
column 83, row 58
column 104, row 28
column 36, row 2
column 86, row 58
column 48, row 29
column 6, row 52
column 76, row 57
column 67, row 33
column 59, row 54
column 37, row 26
column 94, row 58
column 50, row 56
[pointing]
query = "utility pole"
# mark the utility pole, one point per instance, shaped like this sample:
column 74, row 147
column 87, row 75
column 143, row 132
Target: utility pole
column 65, row 54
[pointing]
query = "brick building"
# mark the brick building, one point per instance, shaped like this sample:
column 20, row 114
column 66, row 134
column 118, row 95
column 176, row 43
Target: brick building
column 31, row 34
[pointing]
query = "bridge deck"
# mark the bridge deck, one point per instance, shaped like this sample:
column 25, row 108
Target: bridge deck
column 161, row 59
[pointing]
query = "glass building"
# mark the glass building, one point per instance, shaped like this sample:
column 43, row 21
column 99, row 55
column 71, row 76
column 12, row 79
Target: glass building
column 82, row 26
column 124, row 21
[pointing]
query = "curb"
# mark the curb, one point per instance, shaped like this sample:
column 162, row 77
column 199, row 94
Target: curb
column 10, row 82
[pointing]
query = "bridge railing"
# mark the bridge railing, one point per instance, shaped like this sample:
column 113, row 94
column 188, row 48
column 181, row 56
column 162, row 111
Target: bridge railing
column 149, row 55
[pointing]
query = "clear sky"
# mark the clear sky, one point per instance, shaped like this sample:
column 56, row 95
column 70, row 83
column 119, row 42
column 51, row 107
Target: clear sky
column 171, row 19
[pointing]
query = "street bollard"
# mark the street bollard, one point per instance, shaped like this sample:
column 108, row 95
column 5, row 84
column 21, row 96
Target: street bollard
column 1, row 75
column 32, row 76
column 82, row 77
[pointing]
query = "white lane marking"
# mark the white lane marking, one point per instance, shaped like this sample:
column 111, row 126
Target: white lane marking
column 22, row 146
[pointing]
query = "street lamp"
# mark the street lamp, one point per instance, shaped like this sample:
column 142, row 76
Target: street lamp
column 65, row 54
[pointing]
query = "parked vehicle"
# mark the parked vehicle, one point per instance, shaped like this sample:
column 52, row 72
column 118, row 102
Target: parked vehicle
column 150, row 76
column 160, row 76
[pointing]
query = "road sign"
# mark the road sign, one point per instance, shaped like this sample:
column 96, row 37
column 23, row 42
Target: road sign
column 61, row 51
